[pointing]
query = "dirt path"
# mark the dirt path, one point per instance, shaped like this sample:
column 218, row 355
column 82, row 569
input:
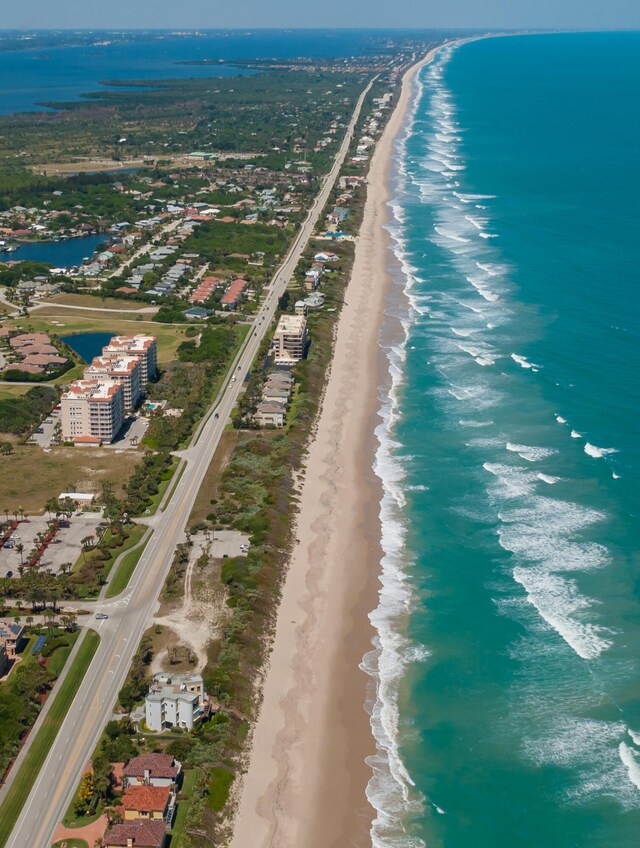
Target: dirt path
column 199, row 619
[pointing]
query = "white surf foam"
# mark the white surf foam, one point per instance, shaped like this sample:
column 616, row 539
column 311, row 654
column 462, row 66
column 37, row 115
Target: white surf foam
column 449, row 235
column 631, row 763
column 529, row 452
column 575, row 434
column 559, row 602
column 560, row 419
column 547, row 478
column 598, row 453
column 523, row 362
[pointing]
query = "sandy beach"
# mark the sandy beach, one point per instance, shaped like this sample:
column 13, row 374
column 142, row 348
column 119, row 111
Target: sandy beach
column 307, row 777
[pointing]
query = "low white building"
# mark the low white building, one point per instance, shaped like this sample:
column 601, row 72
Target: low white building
column 175, row 700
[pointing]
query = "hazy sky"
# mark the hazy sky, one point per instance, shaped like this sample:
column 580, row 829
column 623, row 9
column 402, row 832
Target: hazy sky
column 70, row 14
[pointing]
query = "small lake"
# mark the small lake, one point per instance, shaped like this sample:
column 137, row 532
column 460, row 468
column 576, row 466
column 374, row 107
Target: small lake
column 88, row 345
column 60, row 254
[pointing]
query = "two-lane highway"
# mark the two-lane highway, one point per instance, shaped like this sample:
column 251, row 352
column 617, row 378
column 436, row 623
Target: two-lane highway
column 55, row 785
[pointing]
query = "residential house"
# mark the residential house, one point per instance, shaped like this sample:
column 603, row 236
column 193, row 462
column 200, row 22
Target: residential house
column 175, row 700
column 12, row 638
column 148, row 802
column 197, row 312
column 270, row 414
column 151, row 770
column 136, row 834
column 232, row 296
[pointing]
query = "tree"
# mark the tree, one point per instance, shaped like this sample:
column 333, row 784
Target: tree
column 20, row 549
column 102, row 777
column 86, row 791
column 6, row 448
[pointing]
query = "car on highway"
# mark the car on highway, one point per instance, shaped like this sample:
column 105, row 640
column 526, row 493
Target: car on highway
column 101, row 616
column 233, row 379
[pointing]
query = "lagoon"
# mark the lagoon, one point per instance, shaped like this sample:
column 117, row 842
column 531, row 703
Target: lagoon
column 87, row 345
column 59, row 254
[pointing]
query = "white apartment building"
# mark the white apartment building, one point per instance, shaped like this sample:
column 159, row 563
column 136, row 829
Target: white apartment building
column 92, row 411
column 290, row 339
column 175, row 700
column 143, row 348
column 125, row 370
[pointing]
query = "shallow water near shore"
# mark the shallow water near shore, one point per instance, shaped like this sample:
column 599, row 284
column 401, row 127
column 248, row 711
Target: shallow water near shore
column 508, row 707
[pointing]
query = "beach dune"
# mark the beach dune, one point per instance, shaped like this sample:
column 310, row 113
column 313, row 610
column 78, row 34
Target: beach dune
column 306, row 781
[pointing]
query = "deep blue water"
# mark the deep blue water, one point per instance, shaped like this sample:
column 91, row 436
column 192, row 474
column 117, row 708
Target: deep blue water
column 29, row 77
column 87, row 345
column 510, row 698
column 60, row 254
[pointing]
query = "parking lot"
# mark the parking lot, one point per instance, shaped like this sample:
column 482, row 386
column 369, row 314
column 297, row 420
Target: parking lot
column 66, row 547
column 131, row 434
column 229, row 543
column 46, row 438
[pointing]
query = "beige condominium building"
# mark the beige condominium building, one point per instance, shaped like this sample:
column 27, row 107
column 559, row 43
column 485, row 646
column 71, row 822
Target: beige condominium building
column 290, row 339
column 143, row 348
column 125, row 370
column 92, row 411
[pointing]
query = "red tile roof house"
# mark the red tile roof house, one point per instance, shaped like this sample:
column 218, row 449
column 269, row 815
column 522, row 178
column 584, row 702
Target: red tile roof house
column 136, row 834
column 234, row 293
column 148, row 803
column 151, row 770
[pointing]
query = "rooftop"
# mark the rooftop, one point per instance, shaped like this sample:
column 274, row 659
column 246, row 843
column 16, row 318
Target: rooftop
column 143, row 834
column 158, row 765
column 144, row 799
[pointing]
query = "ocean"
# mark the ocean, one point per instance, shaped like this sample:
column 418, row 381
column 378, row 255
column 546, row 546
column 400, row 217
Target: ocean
column 507, row 663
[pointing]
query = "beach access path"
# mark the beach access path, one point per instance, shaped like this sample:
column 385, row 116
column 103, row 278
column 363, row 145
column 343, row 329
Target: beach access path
column 307, row 777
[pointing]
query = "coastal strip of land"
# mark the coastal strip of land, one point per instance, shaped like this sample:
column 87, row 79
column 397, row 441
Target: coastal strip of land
column 307, row 777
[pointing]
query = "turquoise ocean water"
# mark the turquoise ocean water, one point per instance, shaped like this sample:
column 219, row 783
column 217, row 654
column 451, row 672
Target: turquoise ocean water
column 508, row 653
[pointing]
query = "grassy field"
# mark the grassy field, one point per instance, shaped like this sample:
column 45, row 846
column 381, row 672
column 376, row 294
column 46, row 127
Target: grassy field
column 100, row 302
column 71, row 843
column 127, row 566
column 66, row 321
column 30, row 476
column 9, row 391
column 19, row 790
column 209, row 489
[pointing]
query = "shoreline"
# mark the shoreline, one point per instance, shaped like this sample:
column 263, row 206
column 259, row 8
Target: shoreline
column 313, row 735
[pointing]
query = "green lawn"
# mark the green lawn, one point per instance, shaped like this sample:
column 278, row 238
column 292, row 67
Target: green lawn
column 186, row 790
column 127, row 566
column 71, row 843
column 19, row 790
column 220, row 781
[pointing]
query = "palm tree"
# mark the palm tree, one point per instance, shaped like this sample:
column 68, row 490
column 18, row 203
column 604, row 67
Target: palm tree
column 20, row 549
